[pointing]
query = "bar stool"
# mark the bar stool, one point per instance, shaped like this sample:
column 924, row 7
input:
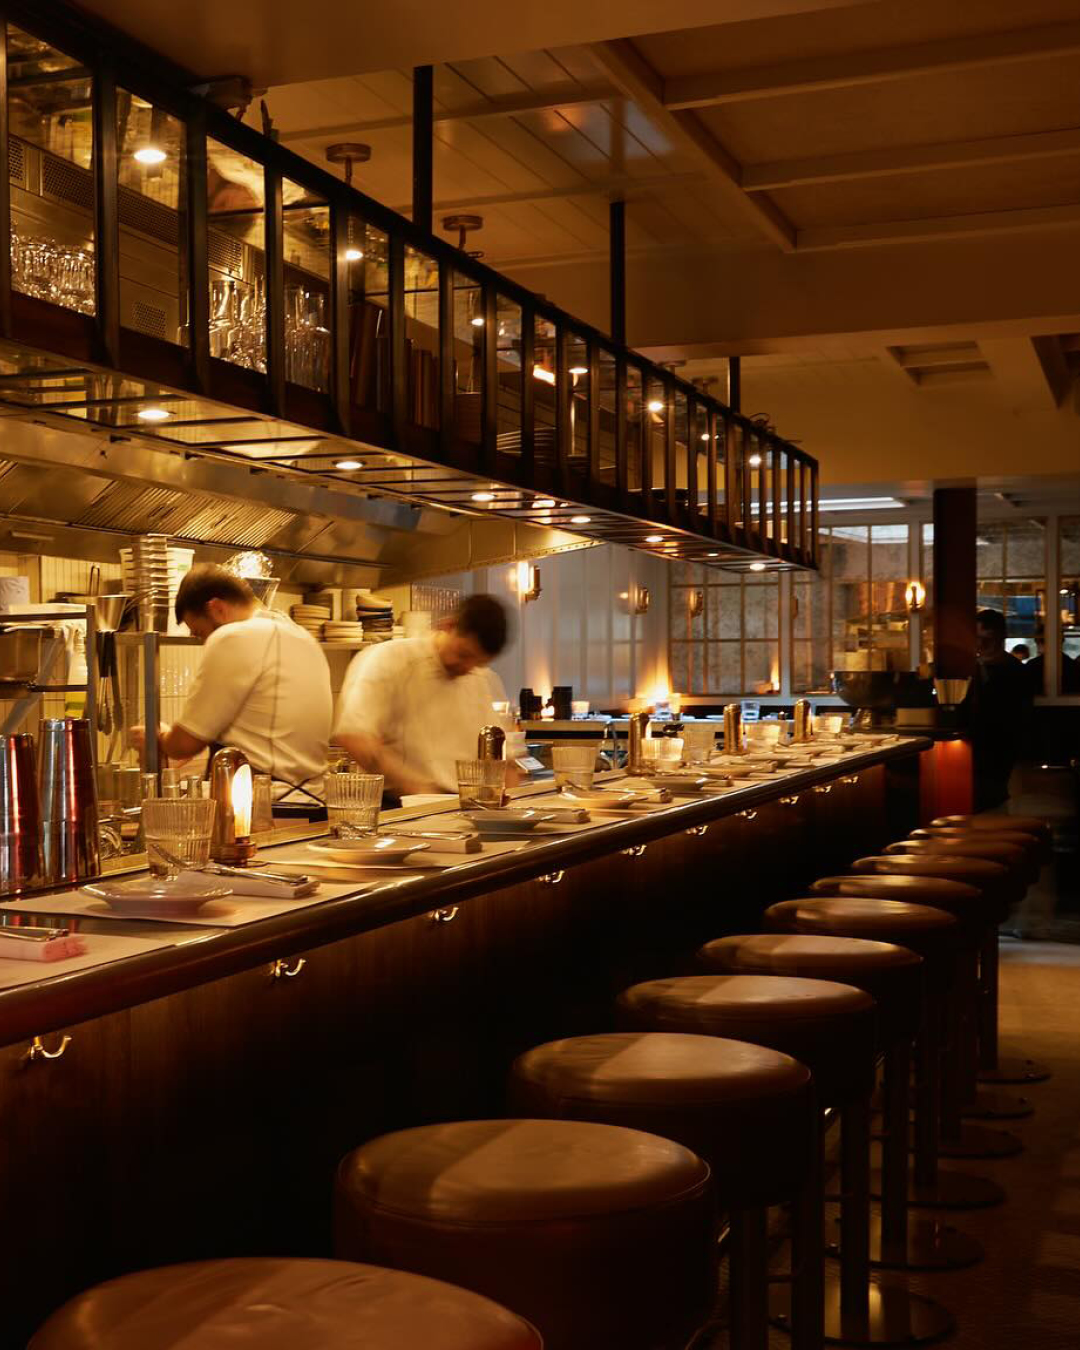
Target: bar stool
column 1027, row 843
column 281, row 1305
column 999, row 885
column 1027, row 824
column 598, row 1235
column 750, row 1112
column 830, row 1027
column 893, row 976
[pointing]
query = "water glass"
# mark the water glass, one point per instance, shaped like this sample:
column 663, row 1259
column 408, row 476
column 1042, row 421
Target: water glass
column 574, row 765
column 352, row 803
column 662, row 752
column 262, row 803
column 481, row 783
column 177, row 832
column 699, row 741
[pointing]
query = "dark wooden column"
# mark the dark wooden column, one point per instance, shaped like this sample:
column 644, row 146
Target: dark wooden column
column 617, row 248
column 954, row 582
column 734, row 383
column 423, row 146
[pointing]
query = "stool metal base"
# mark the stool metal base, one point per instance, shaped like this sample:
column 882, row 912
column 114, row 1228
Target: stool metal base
column 976, row 1141
column 931, row 1245
column 950, row 1190
column 1015, row 1069
column 893, row 1317
column 991, row 1105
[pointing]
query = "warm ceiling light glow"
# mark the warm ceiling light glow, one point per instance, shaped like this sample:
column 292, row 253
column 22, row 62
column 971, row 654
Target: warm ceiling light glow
column 712, row 555
column 543, row 503
column 655, row 405
column 705, row 436
column 859, row 504
column 757, row 567
column 354, row 254
column 654, row 538
column 483, row 496
column 579, row 370
column 542, row 373
column 580, row 520
column 754, row 461
column 153, row 414
column 150, row 155
column 347, row 464
column 478, row 322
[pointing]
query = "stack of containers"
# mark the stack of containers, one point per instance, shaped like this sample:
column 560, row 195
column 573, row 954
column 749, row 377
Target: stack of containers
column 152, row 573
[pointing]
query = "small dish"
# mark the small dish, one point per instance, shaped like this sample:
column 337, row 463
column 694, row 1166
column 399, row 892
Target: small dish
column 506, row 820
column 599, row 801
column 380, row 848
column 159, row 898
column 679, row 782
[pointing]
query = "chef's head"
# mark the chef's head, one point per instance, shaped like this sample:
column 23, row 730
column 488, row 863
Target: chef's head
column 473, row 635
column 210, row 597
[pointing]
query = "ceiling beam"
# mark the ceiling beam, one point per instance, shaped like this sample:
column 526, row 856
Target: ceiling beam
column 530, row 100
column 875, row 66
column 1032, row 372
column 638, row 81
column 823, row 237
column 618, row 185
column 884, row 163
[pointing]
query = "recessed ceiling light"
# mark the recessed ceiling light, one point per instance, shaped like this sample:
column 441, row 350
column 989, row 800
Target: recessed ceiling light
column 654, row 538
column 150, row 154
column 655, row 405
column 580, row 520
column 483, row 496
column 543, row 503
column 153, row 414
column 757, row 567
column 705, row 436
column 478, row 322
column 353, row 254
column 712, row 555
column 347, row 464
column 754, row 461
column 579, row 370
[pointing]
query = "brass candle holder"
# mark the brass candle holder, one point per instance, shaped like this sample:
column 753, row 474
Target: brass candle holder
column 233, row 788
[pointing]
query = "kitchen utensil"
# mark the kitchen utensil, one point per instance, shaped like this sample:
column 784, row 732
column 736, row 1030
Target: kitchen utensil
column 68, row 800
column 353, row 801
column 177, row 834
column 20, row 653
column 638, row 726
column 20, row 815
column 247, row 873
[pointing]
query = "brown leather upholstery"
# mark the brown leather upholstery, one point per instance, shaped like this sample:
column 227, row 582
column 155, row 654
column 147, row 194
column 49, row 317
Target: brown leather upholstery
column 270, row 1304
column 598, row 1235
column 966, row 903
column 945, row 836
column 744, row 1108
column 984, row 845
column 930, row 932
column 891, row 975
column 994, row 880
column 829, row 1027
column 1028, row 824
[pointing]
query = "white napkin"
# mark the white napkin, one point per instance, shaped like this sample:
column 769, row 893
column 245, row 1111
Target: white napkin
column 52, row 949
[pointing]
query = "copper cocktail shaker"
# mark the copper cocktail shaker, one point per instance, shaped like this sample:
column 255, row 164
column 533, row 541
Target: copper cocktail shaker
column 69, row 811
column 20, row 815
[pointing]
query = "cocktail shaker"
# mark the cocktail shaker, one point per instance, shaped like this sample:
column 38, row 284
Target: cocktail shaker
column 69, row 811
column 491, row 743
column 733, row 729
column 20, row 815
column 804, row 720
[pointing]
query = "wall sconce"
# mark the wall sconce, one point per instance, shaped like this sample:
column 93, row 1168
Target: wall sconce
column 914, row 596
column 528, row 582
column 695, row 603
column 641, row 600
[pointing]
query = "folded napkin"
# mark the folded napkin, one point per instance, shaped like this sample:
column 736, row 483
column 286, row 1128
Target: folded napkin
column 565, row 815
column 446, row 842
column 52, row 949
column 283, row 888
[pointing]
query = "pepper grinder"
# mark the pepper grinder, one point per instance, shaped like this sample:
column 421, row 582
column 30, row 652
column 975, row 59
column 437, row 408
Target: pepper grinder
column 639, row 725
column 232, row 787
column 733, row 730
column 804, row 720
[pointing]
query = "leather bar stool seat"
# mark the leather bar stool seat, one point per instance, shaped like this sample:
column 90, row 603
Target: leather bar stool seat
column 741, row 1107
column 598, row 1235
column 932, row 933
column 1029, row 843
column 994, row 880
column 1027, row 824
column 984, row 845
column 827, row 1026
column 965, row 903
column 281, row 1305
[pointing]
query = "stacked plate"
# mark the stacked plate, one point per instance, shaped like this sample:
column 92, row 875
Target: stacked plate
column 312, row 618
column 152, row 573
column 377, row 616
column 341, row 633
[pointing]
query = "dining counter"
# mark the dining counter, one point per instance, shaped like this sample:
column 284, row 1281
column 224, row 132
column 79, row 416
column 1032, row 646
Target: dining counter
column 194, row 1091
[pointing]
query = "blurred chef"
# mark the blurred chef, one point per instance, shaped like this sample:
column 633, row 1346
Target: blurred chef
column 410, row 708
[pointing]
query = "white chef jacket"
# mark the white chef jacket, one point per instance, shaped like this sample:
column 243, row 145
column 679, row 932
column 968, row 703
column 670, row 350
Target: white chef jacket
column 263, row 686
column 400, row 692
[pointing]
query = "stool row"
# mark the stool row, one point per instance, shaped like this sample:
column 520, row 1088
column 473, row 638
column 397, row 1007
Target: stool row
column 589, row 1217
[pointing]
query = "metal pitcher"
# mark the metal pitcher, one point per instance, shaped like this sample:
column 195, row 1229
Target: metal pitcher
column 20, row 816
column 69, row 812
column 639, row 725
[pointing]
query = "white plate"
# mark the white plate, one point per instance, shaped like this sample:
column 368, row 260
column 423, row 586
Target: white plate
column 599, row 801
column 162, row 898
column 380, row 849
column 506, row 820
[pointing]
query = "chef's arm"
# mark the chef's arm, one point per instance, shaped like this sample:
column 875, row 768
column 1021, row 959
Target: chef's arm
column 176, row 742
column 374, row 756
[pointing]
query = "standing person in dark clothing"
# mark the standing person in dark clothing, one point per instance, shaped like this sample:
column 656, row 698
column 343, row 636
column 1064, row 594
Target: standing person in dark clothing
column 1000, row 706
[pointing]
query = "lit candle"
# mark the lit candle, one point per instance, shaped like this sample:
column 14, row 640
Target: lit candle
column 243, row 792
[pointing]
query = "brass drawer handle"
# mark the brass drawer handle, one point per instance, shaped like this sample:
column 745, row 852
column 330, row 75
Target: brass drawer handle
column 444, row 915
column 850, row 778
column 282, row 970
column 37, row 1049
column 823, row 788
column 638, row 851
column 551, row 878
column 749, row 814
column 790, row 801
column 696, row 831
